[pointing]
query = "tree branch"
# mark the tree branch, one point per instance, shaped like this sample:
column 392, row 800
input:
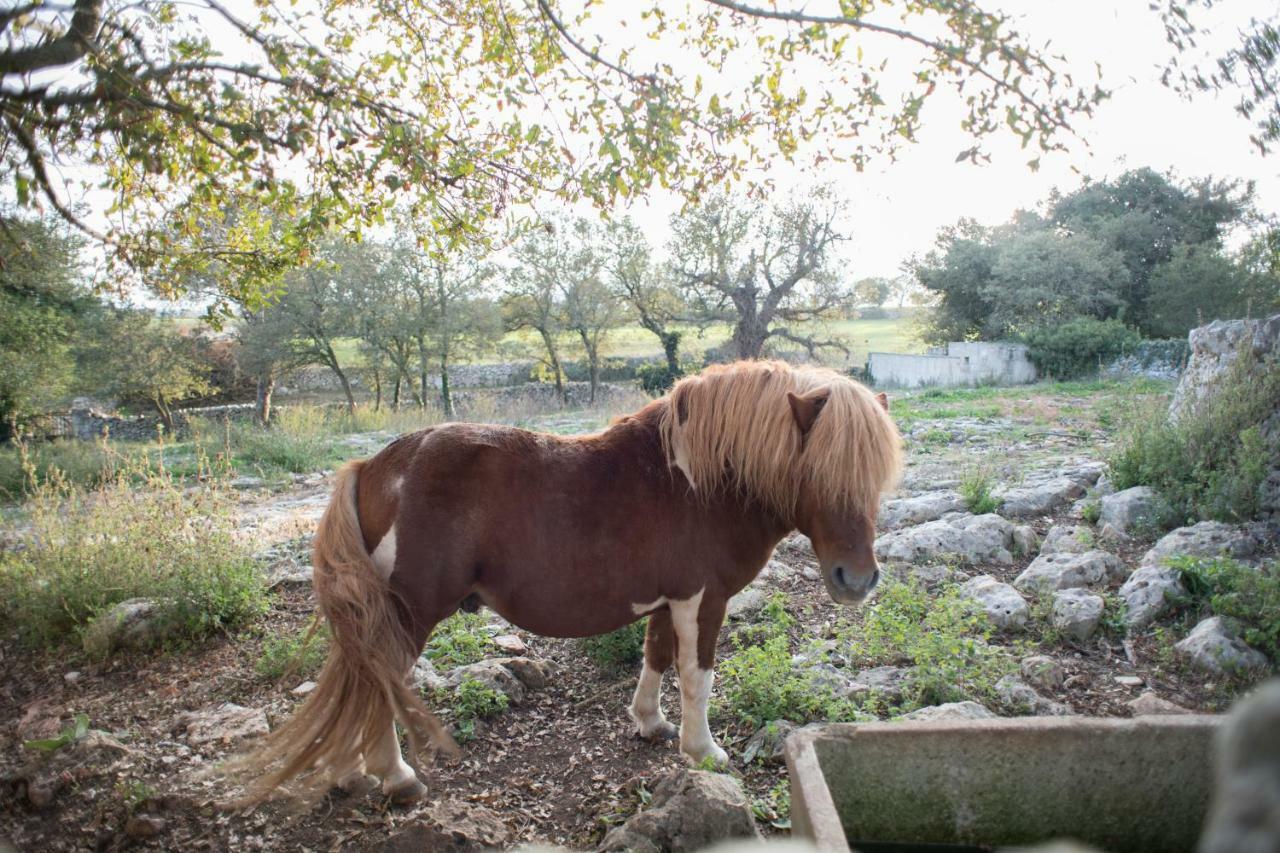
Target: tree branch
column 63, row 50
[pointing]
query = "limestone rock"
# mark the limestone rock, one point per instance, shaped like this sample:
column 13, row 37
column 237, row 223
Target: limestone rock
column 1018, row 696
column 1148, row 594
column 930, row 506
column 769, row 742
column 1039, row 494
column 226, row 724
column 1210, row 539
column 1068, row 539
column 970, row 538
column 1214, row 646
column 513, row 676
column 425, row 678
column 690, row 810
column 1077, row 613
column 1214, row 348
column 1151, row 705
column 1123, row 510
column 132, row 624
column 951, row 711
column 1066, row 571
column 1004, row 606
column 453, row 825
column 886, row 681
column 746, row 603
column 1043, row 672
column 1244, row 816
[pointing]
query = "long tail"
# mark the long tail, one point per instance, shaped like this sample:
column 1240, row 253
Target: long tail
column 363, row 686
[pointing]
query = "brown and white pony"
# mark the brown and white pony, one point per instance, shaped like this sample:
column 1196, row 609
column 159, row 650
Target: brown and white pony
column 666, row 514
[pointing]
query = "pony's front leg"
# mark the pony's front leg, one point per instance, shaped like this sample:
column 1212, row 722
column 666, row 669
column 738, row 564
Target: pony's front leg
column 697, row 624
column 646, row 705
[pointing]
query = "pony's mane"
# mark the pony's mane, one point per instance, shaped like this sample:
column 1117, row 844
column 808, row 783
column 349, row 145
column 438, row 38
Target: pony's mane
column 731, row 427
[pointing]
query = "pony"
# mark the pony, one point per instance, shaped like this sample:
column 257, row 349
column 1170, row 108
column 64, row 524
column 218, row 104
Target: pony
column 665, row 514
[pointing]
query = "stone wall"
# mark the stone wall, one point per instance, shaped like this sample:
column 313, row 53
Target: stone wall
column 89, row 421
column 968, row 363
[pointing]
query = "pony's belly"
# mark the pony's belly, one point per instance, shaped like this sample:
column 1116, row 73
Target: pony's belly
column 562, row 615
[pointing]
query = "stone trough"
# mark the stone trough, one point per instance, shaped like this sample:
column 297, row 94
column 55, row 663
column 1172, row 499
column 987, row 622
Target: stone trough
column 1120, row 785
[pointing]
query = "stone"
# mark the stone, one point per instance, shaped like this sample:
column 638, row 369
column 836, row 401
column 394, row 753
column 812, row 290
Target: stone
column 1214, row 646
column 1039, row 494
column 227, row 724
column 887, row 681
column 690, row 810
column 133, row 624
column 425, row 678
column 453, row 825
column 1049, row 572
column 1214, row 348
column 304, row 688
column 1068, row 539
column 1210, row 539
column 514, row 677
column 1244, row 815
column 141, row 826
column 1004, row 606
column 931, row 574
column 1148, row 594
column 930, row 506
column 969, row 538
column 1126, row 509
column 1110, row 536
column 768, row 743
column 1151, row 705
column 950, row 711
column 1024, row 540
column 511, row 644
column 246, row 483
column 746, row 603
column 1129, row 680
column 1019, row 697
column 1043, row 672
column 1077, row 613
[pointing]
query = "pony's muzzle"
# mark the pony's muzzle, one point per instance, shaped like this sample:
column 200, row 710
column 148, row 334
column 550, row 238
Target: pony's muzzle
column 851, row 587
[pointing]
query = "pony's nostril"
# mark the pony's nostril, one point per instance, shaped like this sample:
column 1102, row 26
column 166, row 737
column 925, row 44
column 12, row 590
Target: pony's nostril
column 840, row 577
column 875, row 579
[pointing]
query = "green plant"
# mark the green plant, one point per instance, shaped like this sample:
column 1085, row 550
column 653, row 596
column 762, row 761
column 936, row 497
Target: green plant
column 1211, row 461
column 459, row 640
column 773, row 620
column 1249, row 596
column 657, row 377
column 617, row 649
column 474, row 700
column 1091, row 511
column 774, row 808
column 975, row 490
column 78, row 729
column 1078, row 346
column 139, row 535
column 759, row 683
column 291, row 653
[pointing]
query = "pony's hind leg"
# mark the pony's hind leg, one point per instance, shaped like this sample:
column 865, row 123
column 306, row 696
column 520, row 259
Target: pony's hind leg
column 399, row 782
column 646, row 705
column 697, row 622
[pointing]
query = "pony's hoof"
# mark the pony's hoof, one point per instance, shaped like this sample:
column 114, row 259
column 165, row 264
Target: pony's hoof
column 712, row 757
column 407, row 792
column 661, row 733
column 358, row 785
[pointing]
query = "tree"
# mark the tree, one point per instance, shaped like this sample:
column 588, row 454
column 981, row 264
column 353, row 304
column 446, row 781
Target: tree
column 763, row 272
column 267, row 349
column 466, row 109
column 645, row 286
column 318, row 301
column 133, row 355
column 872, row 291
column 1198, row 285
column 388, row 311
column 590, row 310
column 42, row 302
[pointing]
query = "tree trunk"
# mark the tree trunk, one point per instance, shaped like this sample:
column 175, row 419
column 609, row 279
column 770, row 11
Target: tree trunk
column 262, row 397
column 550, row 344
column 377, row 390
column 166, row 414
column 395, row 392
column 749, row 335
column 593, row 364
column 671, row 349
column 446, row 398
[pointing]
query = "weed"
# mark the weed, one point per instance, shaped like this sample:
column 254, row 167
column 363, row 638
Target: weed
column 760, row 683
column 89, row 550
column 618, row 649
column 975, row 489
column 772, row 621
column 474, row 700
column 1249, row 596
column 134, row 793
column 459, row 640
column 774, row 808
column 291, row 654
column 1091, row 511
column 72, row 733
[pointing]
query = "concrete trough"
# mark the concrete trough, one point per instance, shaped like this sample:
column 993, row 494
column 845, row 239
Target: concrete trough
column 1124, row 786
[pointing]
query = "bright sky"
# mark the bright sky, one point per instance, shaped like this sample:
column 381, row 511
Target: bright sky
column 897, row 208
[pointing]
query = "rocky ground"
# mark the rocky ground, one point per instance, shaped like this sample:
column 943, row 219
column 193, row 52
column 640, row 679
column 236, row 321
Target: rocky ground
column 1070, row 573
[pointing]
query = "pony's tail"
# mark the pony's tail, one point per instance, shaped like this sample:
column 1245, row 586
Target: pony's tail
column 363, row 687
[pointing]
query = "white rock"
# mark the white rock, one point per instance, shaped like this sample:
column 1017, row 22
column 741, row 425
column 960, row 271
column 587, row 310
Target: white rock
column 132, row 624
column 1039, row 494
column 970, row 538
column 1077, row 613
column 226, row 724
column 1003, row 605
column 1123, row 510
column 746, row 603
column 1148, row 594
column 1214, row 646
column 425, row 678
column 887, row 681
column 1018, row 696
column 1068, row 539
column 900, row 512
column 1043, row 672
column 1150, row 705
column 1067, row 571
column 951, row 711
column 1209, row 539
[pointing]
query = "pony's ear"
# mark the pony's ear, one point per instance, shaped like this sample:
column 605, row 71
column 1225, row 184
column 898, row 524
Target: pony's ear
column 807, row 406
column 883, row 399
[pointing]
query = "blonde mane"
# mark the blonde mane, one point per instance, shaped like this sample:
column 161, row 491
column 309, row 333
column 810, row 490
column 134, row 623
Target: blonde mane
column 731, row 427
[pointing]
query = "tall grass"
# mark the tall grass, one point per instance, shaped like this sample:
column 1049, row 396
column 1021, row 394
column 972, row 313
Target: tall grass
column 140, row 534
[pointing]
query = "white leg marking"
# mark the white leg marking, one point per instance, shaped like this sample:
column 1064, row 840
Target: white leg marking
column 386, row 762
column 641, row 609
column 384, row 556
column 646, row 705
column 695, row 686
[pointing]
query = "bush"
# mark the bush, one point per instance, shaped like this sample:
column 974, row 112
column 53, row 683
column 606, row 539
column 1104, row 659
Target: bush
column 1248, row 595
column 617, row 649
column 89, row 550
column 657, row 377
column 80, row 463
column 760, row 684
column 975, row 489
column 296, row 441
column 472, row 701
column 290, row 654
column 1212, row 462
column 459, row 640
column 1079, row 346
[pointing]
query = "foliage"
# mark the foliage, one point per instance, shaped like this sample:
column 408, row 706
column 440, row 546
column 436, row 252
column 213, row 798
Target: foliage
column 72, row 733
column 975, row 490
column 1248, row 595
column 473, row 700
column 759, row 683
column 140, row 535
column 649, row 291
column 296, row 653
column 297, row 441
column 1079, row 346
column 944, row 639
column 80, row 463
column 657, row 377
column 459, row 640
column 1211, row 462
column 466, row 110
column 618, row 649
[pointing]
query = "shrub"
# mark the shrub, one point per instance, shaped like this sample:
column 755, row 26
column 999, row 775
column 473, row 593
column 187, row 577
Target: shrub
column 1078, row 346
column 291, row 654
column 1211, row 462
column 1250, row 596
column 617, row 649
column 296, row 441
column 81, row 463
column 657, row 377
column 760, row 683
column 474, row 700
column 89, row 550
column 975, row 489
column 459, row 640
